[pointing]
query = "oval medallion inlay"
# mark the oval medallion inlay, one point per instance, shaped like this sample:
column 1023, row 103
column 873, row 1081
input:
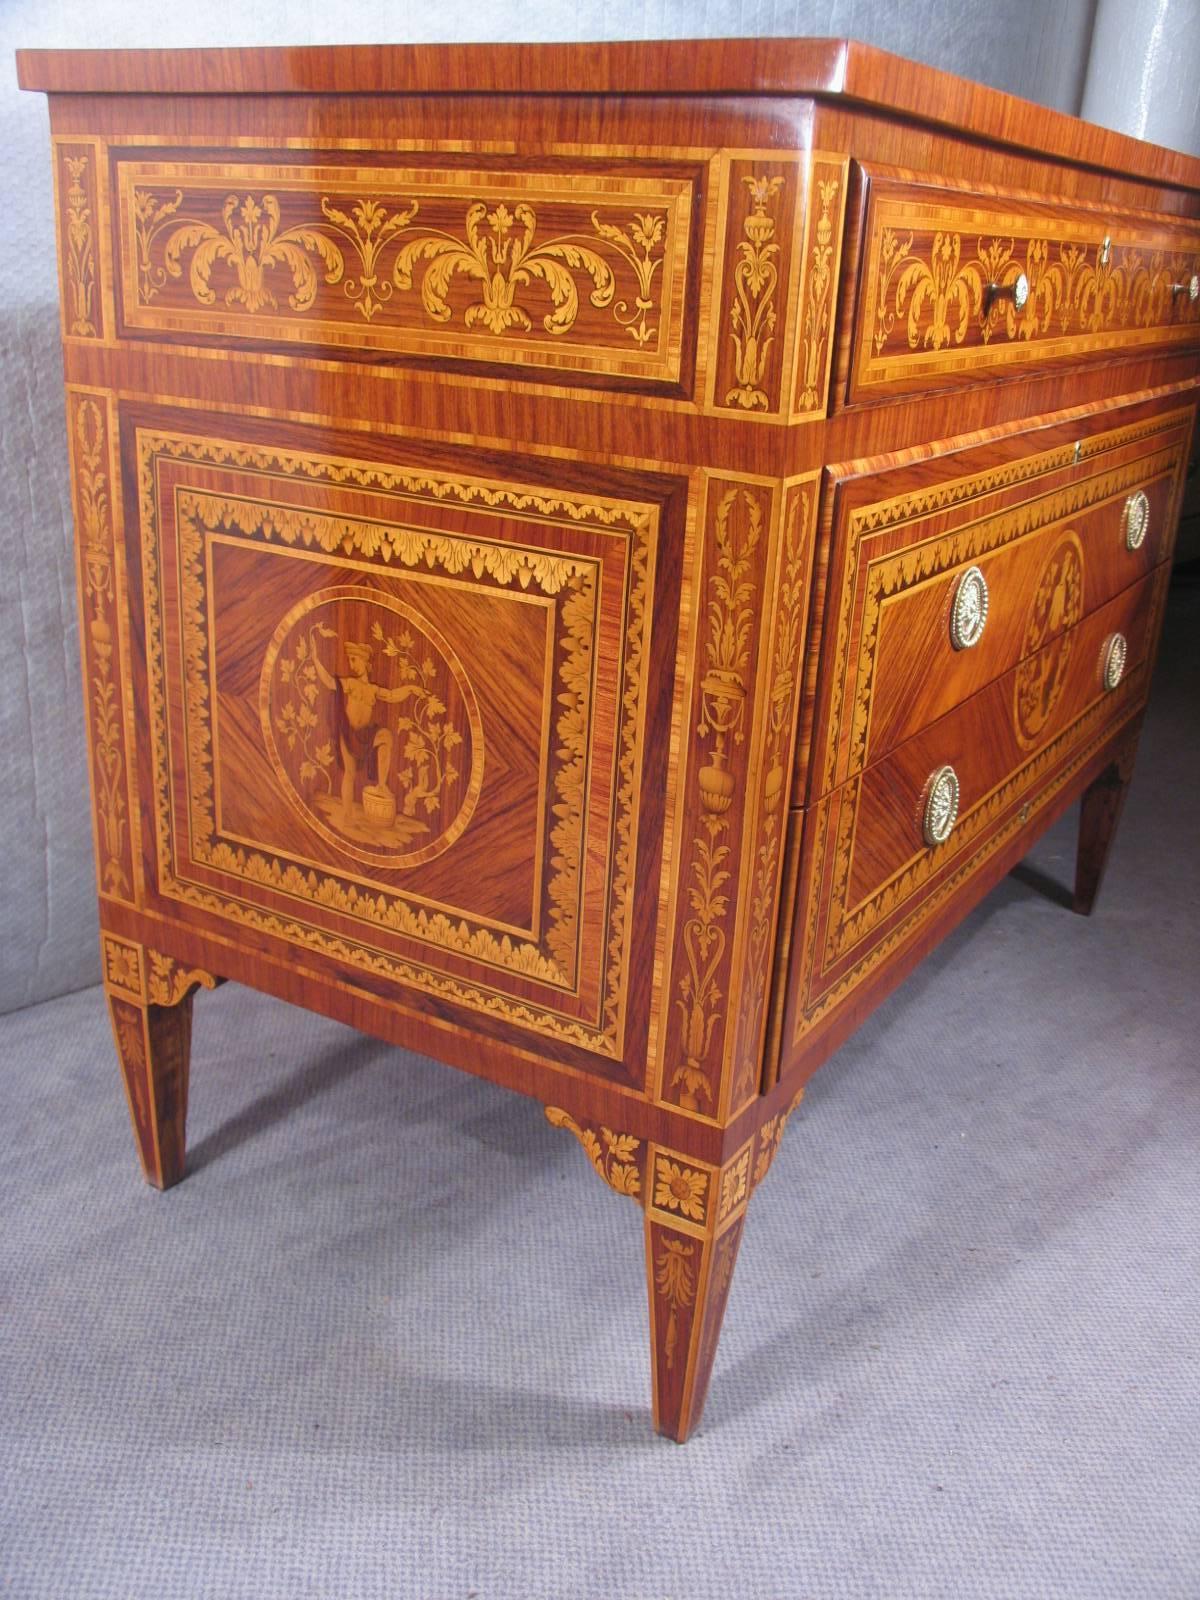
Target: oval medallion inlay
column 1048, row 642
column 372, row 726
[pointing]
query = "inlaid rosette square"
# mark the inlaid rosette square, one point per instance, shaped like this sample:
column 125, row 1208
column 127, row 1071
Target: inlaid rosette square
column 397, row 718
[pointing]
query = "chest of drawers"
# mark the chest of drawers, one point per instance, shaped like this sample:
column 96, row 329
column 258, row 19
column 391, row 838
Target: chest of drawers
column 592, row 559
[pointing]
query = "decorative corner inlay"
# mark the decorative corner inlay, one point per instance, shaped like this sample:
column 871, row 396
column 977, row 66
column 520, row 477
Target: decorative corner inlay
column 781, row 704
column 731, row 587
column 675, row 1280
column 770, row 1137
column 79, row 246
column 615, row 1156
column 752, row 314
column 678, row 1187
column 124, row 973
column 168, row 982
column 822, row 256
column 99, row 623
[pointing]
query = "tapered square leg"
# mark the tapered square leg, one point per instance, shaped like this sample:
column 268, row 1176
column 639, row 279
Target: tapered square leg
column 688, row 1276
column 695, row 1216
column 1099, row 813
column 150, row 1005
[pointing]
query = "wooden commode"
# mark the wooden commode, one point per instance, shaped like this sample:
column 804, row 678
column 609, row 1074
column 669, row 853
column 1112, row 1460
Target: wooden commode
column 593, row 558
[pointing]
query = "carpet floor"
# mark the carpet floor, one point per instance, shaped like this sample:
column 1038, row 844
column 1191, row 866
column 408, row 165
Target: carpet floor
column 388, row 1340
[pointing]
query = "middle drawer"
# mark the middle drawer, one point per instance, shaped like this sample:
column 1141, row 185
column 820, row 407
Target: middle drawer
column 936, row 592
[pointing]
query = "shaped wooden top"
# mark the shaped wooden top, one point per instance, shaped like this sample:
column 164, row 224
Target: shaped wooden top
column 760, row 66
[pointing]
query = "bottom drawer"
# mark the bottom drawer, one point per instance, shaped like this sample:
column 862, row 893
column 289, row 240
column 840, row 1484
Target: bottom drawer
column 877, row 862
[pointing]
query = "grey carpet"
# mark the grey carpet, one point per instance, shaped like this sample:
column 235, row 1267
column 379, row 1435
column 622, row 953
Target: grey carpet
column 388, row 1338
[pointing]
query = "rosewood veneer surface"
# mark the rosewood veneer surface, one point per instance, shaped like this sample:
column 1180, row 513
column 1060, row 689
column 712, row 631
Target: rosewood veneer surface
column 592, row 559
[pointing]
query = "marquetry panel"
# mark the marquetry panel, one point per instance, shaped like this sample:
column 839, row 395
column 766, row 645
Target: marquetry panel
column 755, row 554
column 396, row 717
column 579, row 271
column 752, row 331
column 1100, row 283
column 101, row 578
column 870, row 883
column 76, row 180
column 781, row 674
column 896, row 554
column 820, row 269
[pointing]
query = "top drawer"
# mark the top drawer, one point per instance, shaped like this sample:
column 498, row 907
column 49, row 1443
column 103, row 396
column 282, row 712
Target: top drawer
column 960, row 285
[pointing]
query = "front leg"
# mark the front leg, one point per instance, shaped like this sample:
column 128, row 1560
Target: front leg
column 1099, row 814
column 695, row 1214
column 150, row 1006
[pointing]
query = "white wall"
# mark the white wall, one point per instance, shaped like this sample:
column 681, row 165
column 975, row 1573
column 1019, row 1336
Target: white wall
column 1038, row 48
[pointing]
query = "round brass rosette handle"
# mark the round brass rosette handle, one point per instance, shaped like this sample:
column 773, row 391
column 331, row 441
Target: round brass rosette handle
column 1135, row 519
column 1190, row 287
column 1116, row 652
column 941, row 806
column 969, row 611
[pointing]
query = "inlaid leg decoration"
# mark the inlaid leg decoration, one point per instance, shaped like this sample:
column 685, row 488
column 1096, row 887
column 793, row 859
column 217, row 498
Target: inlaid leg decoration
column 1099, row 814
column 695, row 1214
column 150, row 1004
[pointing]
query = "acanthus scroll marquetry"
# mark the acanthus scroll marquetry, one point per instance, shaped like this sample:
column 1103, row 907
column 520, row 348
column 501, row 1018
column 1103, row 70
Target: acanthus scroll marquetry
column 956, row 284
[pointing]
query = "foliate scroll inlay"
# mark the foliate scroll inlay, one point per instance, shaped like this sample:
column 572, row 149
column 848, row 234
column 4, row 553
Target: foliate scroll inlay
column 615, row 1156
column 946, row 274
column 167, row 982
column 1048, row 643
column 485, row 265
column 101, row 646
column 825, row 204
column 730, row 622
column 79, row 246
column 753, row 315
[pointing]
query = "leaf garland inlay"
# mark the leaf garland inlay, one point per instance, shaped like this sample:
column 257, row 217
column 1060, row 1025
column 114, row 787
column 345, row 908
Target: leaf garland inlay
column 818, row 300
column 614, row 1155
column 780, row 723
column 939, row 295
column 730, row 616
column 167, row 983
column 675, row 1277
column 80, row 251
column 755, row 277
column 96, row 554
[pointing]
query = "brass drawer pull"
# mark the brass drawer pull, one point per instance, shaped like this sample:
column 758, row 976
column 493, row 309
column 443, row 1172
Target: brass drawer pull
column 1113, row 659
column 1190, row 287
column 969, row 612
column 1135, row 519
column 941, row 806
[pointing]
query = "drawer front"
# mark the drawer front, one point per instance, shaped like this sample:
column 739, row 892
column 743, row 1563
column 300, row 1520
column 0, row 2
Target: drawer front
column 397, row 715
column 873, row 879
column 940, row 263
column 1035, row 545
